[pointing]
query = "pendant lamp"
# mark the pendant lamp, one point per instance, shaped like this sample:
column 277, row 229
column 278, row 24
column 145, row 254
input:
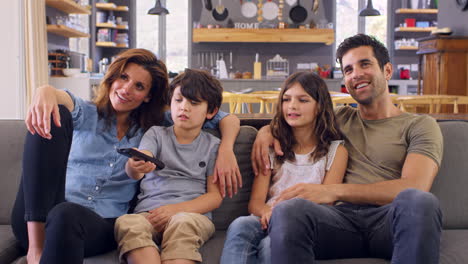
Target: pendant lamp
column 369, row 10
column 158, row 9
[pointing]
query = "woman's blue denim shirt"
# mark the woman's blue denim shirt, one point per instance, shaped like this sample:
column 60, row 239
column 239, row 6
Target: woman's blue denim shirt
column 96, row 175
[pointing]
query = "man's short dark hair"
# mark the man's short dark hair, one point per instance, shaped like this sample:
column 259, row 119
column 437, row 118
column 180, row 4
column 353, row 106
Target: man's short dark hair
column 197, row 85
column 380, row 51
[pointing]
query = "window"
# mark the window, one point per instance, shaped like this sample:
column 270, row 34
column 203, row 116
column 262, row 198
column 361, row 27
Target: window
column 346, row 19
column 377, row 25
column 349, row 23
column 175, row 28
column 177, row 35
column 147, row 27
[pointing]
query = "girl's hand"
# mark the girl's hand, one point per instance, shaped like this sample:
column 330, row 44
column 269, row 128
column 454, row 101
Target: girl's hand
column 317, row 193
column 265, row 218
column 160, row 216
column 44, row 104
column 260, row 150
column 141, row 166
column 226, row 172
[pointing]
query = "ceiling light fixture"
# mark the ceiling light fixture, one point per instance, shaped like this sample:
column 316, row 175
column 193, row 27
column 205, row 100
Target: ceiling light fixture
column 158, row 9
column 369, row 10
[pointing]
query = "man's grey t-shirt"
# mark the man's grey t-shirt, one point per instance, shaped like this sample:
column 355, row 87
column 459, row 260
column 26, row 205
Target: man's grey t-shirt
column 187, row 168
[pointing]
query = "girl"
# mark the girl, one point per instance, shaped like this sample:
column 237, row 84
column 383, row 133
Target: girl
column 74, row 183
column 305, row 126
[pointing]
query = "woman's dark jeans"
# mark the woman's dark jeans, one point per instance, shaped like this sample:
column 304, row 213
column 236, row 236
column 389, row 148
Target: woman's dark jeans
column 72, row 231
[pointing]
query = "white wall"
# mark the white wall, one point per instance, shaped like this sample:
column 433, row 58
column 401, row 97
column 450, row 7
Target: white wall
column 12, row 91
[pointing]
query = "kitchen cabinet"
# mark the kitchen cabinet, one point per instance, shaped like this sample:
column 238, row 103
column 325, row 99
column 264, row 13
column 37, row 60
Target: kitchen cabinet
column 67, row 7
column 406, row 31
column 326, row 36
column 112, row 29
column 415, row 11
column 65, row 31
column 444, row 66
column 403, row 32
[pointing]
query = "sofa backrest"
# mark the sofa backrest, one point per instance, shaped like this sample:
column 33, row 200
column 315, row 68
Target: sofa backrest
column 451, row 183
column 12, row 134
column 231, row 208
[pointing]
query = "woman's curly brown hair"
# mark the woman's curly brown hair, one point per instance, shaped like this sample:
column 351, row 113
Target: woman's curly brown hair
column 147, row 114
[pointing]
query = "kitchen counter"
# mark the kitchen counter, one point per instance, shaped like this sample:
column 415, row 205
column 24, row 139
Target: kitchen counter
column 236, row 85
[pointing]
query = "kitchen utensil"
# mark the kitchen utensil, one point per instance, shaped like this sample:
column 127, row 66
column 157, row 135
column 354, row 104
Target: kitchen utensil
column 208, row 5
column 270, row 10
column 298, row 13
column 291, row 2
column 260, row 11
column 248, row 8
column 222, row 71
column 315, row 6
column 220, row 13
column 230, row 24
column 280, row 10
column 70, row 72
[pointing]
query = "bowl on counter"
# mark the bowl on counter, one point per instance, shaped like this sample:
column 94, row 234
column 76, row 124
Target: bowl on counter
column 71, row 72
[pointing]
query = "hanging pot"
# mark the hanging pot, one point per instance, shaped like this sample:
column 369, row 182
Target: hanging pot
column 220, row 13
column 298, row 13
column 248, row 8
column 208, row 5
column 270, row 10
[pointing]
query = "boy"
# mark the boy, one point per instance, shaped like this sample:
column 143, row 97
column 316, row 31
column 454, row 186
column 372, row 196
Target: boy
column 174, row 203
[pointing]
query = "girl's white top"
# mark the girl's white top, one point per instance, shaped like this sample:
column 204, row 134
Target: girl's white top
column 303, row 170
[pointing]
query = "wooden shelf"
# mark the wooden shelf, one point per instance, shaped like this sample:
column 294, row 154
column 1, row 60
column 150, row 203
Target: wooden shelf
column 68, row 6
column 289, row 35
column 111, row 7
column 416, row 11
column 110, row 44
column 107, row 44
column 66, row 31
column 111, row 25
column 414, row 29
column 407, row 48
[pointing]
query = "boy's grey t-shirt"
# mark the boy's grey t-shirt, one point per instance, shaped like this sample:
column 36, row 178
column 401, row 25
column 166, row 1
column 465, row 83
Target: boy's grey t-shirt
column 187, row 168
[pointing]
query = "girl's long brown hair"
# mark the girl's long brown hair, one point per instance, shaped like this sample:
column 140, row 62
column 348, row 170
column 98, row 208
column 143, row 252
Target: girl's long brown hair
column 326, row 128
column 147, row 114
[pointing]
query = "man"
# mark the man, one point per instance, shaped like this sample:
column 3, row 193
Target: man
column 383, row 209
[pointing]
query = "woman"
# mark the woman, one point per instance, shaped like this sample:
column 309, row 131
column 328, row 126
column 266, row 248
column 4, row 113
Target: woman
column 63, row 221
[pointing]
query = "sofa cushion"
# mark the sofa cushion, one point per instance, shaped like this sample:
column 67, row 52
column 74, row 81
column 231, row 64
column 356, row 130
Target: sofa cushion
column 453, row 246
column 108, row 258
column 12, row 133
column 451, row 182
column 9, row 246
column 212, row 249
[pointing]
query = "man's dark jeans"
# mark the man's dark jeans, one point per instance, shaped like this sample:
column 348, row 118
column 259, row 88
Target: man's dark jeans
column 406, row 231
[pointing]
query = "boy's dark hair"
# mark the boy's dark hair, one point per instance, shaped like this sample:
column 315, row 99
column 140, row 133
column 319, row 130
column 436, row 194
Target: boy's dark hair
column 380, row 51
column 325, row 127
column 198, row 86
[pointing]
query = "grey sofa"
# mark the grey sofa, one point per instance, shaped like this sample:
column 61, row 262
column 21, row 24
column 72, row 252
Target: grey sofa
column 450, row 187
